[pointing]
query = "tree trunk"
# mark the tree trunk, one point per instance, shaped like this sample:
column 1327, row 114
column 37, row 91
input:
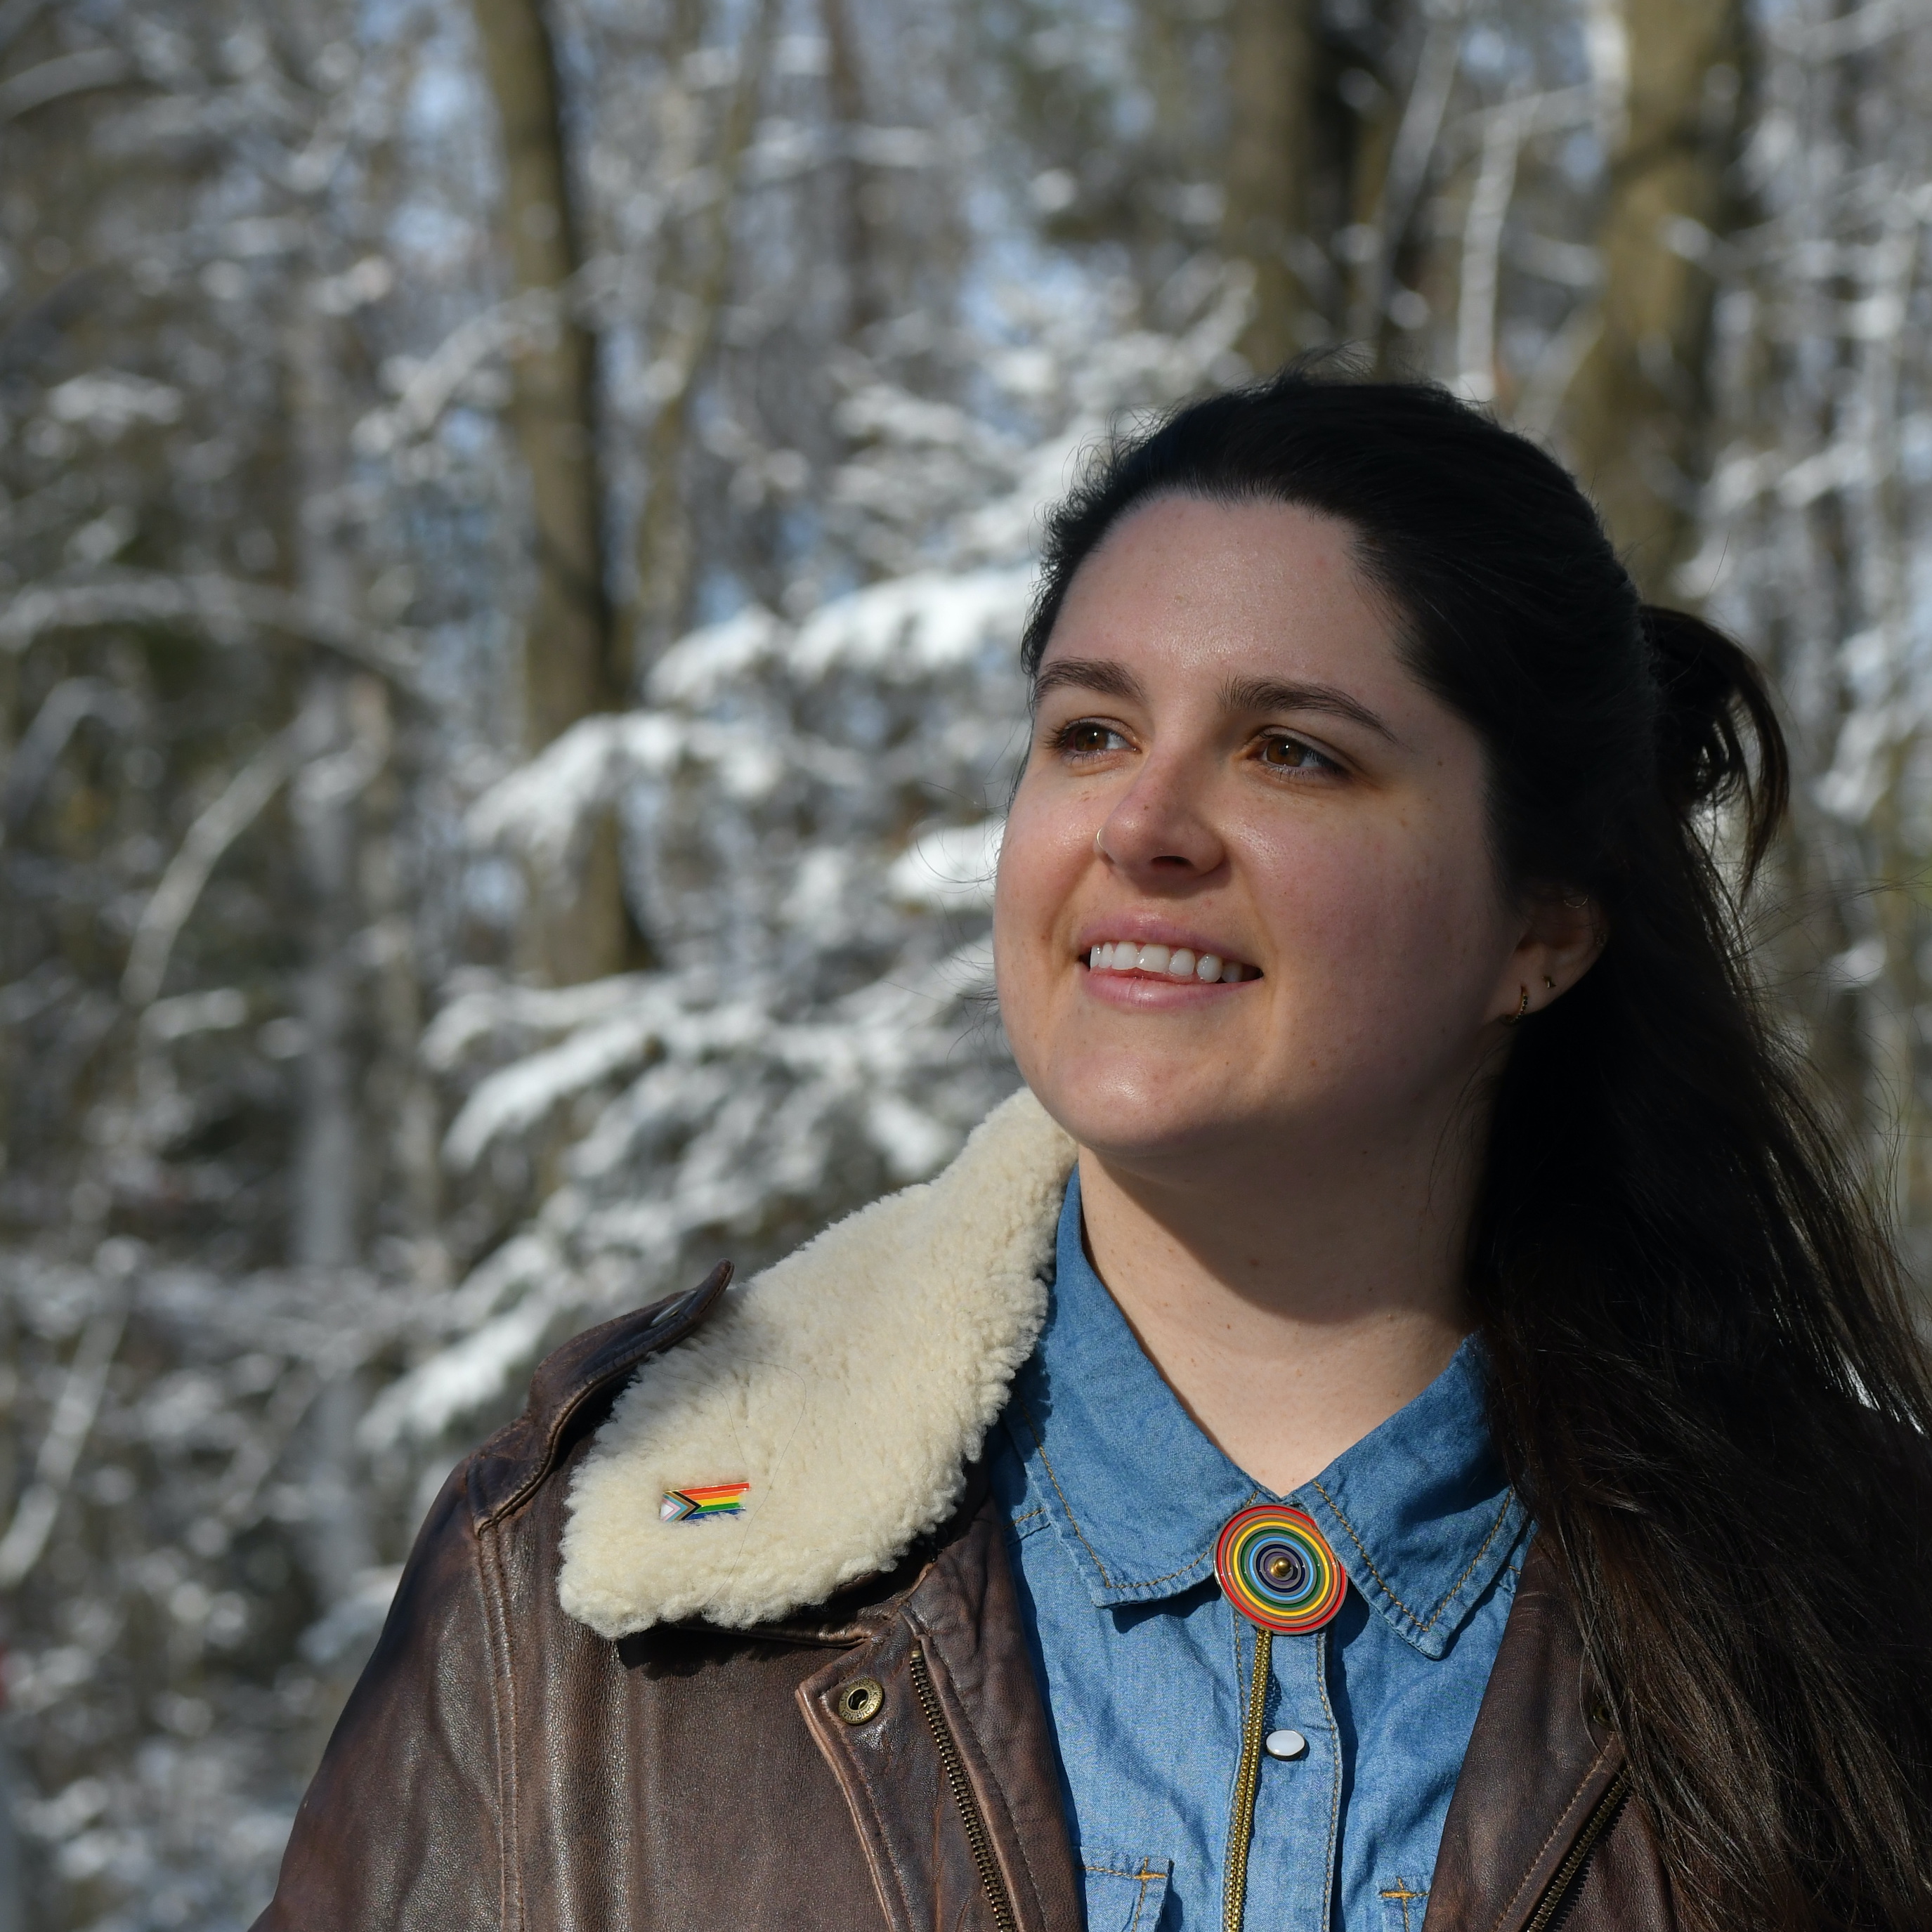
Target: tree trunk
column 1636, row 422
column 325, row 1230
column 1273, row 52
column 859, row 242
column 696, row 276
column 577, row 928
column 324, row 1218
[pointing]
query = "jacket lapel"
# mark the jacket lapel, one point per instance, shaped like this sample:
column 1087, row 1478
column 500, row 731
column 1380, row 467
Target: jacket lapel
column 842, row 1394
column 1538, row 1767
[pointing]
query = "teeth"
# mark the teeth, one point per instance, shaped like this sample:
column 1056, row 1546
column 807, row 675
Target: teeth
column 1178, row 962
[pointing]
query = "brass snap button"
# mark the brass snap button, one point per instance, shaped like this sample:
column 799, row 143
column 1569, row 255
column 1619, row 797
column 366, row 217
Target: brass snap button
column 861, row 1700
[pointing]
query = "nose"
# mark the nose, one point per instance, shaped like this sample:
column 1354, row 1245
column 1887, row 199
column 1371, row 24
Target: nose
column 1160, row 831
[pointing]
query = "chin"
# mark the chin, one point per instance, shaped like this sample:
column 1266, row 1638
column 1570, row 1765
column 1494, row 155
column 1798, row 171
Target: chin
column 1138, row 1118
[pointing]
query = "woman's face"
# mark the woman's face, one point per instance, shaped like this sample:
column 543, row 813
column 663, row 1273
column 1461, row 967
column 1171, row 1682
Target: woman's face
column 1230, row 761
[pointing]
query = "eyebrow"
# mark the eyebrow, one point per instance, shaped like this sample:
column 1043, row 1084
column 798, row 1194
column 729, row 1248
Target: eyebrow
column 1268, row 694
column 1096, row 674
column 1109, row 680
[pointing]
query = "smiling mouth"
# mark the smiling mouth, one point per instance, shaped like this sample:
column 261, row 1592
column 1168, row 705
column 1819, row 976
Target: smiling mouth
column 1165, row 962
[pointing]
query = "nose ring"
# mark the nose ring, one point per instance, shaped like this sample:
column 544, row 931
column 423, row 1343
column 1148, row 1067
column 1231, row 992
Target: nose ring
column 1099, row 849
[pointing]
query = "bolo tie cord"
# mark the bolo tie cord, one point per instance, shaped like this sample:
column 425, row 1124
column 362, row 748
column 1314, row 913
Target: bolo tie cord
column 1247, row 1781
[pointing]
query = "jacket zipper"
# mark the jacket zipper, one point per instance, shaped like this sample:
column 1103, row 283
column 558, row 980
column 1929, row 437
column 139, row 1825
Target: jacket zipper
column 1247, row 1781
column 991, row 1882
column 1602, row 1814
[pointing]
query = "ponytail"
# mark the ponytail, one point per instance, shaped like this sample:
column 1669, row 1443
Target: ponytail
column 1706, row 684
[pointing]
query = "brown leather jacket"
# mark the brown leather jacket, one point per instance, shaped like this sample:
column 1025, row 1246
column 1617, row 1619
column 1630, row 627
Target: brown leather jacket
column 880, row 1759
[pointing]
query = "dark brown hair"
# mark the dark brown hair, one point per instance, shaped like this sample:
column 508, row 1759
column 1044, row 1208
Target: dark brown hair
column 1705, row 1377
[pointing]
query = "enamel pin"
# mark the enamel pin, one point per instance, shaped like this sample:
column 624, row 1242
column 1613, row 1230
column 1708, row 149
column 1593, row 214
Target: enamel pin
column 1277, row 1568
column 698, row 1505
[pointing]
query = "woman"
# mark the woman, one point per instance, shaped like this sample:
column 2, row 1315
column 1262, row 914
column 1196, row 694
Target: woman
column 1405, row 1416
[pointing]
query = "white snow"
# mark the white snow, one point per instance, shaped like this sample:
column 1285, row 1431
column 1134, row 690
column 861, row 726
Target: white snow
column 950, row 868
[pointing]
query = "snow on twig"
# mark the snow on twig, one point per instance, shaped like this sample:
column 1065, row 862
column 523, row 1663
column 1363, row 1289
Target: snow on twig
column 225, row 609
column 59, row 1454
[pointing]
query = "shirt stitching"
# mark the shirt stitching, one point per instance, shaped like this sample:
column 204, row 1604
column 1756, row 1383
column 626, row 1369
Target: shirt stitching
column 1421, row 1629
column 1149, row 1583
column 1046, row 1462
column 1073, row 1524
column 1032, row 1430
column 1405, row 1893
column 1335, row 1781
column 1236, row 1625
column 1143, row 1878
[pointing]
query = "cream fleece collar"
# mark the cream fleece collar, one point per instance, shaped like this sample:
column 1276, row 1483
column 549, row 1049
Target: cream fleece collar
column 850, row 1385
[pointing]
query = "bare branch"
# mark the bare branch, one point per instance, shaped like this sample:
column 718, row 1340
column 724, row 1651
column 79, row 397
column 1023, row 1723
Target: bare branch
column 71, row 702
column 1554, row 369
column 81, row 73
column 67, row 1431
column 227, row 610
column 1414, row 154
column 1850, row 33
column 1482, row 246
column 168, row 907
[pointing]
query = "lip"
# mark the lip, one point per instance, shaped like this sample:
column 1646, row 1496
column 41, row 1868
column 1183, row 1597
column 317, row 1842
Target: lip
column 1145, row 992
column 1145, row 929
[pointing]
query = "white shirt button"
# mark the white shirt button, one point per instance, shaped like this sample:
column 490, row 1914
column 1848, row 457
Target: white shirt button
column 1284, row 1744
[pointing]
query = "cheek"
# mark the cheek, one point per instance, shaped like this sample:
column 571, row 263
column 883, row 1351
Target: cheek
column 1042, row 856
column 1384, row 917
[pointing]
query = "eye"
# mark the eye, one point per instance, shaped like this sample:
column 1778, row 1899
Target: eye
column 1279, row 752
column 1088, row 738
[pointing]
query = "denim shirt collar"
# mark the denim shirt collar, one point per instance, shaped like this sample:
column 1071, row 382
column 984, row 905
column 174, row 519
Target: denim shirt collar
column 1417, row 1511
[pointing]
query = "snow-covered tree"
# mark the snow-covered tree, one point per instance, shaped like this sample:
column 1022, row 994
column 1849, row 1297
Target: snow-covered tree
column 376, row 1008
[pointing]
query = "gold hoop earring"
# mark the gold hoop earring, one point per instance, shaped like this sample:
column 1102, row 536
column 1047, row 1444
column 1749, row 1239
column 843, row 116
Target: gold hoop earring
column 1521, row 1007
column 1549, row 984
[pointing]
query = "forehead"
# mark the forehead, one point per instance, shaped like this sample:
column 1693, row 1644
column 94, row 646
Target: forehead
column 1249, row 586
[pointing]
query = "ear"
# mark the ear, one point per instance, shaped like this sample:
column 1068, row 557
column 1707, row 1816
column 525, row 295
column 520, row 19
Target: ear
column 1563, row 933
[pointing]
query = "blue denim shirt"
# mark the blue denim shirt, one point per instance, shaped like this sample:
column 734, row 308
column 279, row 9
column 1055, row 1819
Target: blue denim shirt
column 1115, row 1498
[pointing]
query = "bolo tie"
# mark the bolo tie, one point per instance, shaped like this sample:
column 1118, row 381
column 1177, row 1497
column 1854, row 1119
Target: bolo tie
column 1276, row 1569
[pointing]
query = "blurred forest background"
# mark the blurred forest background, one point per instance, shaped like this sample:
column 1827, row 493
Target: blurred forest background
column 513, row 519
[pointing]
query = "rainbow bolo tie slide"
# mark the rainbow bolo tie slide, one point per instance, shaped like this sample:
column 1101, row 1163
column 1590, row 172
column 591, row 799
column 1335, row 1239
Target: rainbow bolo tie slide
column 700, row 1505
column 1277, row 1568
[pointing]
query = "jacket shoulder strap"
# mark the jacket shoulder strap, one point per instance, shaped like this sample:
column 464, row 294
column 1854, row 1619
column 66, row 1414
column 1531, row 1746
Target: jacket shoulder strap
column 573, row 1390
